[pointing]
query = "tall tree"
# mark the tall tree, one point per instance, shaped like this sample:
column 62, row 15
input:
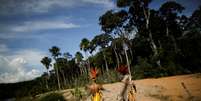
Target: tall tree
column 47, row 63
column 62, row 64
column 78, row 60
column 55, row 53
column 116, row 26
column 102, row 40
column 139, row 21
column 195, row 20
column 78, row 57
column 190, row 43
column 84, row 45
column 116, row 45
column 169, row 12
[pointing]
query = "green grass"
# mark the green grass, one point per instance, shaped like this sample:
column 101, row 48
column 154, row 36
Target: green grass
column 52, row 97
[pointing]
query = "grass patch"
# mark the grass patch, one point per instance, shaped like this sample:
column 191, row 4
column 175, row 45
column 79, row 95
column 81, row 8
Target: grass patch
column 52, row 97
column 78, row 94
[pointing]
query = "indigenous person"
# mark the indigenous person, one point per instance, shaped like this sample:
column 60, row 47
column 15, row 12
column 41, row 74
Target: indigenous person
column 94, row 88
column 129, row 88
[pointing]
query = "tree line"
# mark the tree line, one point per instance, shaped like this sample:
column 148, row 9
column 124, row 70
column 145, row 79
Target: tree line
column 151, row 42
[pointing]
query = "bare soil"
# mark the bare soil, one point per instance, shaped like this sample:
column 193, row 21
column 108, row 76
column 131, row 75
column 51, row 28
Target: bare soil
column 174, row 88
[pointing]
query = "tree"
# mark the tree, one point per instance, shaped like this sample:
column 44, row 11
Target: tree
column 190, row 43
column 117, row 47
column 78, row 57
column 78, row 60
column 62, row 64
column 195, row 20
column 102, row 40
column 55, row 53
column 114, row 22
column 84, row 45
column 169, row 12
column 47, row 63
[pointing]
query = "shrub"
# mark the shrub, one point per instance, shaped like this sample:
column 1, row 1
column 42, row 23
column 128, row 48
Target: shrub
column 78, row 94
column 53, row 97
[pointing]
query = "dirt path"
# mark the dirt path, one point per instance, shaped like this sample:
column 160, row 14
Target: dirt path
column 161, row 89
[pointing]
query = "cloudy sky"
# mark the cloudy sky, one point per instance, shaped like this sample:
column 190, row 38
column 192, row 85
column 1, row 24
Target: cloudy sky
column 28, row 28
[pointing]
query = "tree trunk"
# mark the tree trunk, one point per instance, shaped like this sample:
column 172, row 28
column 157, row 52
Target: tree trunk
column 64, row 78
column 102, row 70
column 174, row 43
column 167, row 31
column 131, row 54
column 46, row 83
column 106, row 65
column 87, row 69
column 154, row 48
column 81, row 70
column 127, row 61
column 47, row 79
column 172, row 38
column 121, row 60
column 88, row 63
column 116, row 56
column 57, row 73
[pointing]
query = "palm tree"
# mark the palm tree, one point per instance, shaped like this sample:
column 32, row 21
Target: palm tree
column 55, row 53
column 62, row 64
column 47, row 63
column 84, row 45
column 78, row 59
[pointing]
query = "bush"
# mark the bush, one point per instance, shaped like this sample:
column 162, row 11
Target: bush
column 143, row 69
column 53, row 97
column 108, row 77
column 78, row 94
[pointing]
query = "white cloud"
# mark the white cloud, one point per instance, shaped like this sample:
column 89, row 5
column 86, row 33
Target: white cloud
column 29, row 28
column 32, row 6
column 42, row 25
column 107, row 3
column 22, row 65
column 20, row 75
column 45, row 5
column 42, row 6
column 29, row 55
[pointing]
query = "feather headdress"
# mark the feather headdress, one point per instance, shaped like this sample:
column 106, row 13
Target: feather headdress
column 123, row 69
column 93, row 73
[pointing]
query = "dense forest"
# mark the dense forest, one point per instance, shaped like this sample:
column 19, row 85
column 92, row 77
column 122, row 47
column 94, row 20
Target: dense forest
column 153, row 43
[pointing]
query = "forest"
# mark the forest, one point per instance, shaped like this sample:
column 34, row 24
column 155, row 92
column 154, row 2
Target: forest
column 152, row 42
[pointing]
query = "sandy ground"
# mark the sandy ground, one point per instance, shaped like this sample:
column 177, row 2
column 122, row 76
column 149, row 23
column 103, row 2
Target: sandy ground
column 160, row 89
